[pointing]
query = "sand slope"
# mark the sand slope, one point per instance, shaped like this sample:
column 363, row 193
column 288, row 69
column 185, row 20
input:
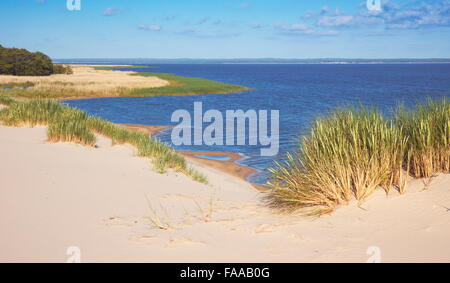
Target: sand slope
column 54, row 196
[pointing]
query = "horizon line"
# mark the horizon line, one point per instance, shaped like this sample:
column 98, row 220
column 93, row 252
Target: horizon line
column 252, row 59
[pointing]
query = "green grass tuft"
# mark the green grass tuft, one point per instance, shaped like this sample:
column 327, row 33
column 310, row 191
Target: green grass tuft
column 195, row 175
column 70, row 125
column 5, row 100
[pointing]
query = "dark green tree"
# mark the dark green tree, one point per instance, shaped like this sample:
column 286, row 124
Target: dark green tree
column 21, row 62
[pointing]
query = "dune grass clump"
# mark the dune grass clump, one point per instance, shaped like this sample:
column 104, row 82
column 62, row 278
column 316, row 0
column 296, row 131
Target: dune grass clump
column 70, row 125
column 347, row 155
column 31, row 113
column 354, row 151
column 67, row 124
column 427, row 127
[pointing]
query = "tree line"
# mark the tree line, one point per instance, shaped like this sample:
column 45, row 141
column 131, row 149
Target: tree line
column 21, row 62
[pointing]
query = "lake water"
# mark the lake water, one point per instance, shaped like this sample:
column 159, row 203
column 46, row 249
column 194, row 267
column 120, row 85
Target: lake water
column 300, row 92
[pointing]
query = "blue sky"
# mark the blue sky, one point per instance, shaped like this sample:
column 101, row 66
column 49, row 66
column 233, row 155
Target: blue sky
column 228, row 28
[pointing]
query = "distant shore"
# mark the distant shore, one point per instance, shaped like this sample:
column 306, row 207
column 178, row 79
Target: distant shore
column 334, row 63
column 151, row 61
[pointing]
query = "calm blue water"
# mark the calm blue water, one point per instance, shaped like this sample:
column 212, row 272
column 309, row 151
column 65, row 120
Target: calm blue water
column 300, row 92
column 215, row 157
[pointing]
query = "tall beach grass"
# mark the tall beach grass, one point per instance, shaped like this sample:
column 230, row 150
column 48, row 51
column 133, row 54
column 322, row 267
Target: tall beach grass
column 354, row 151
column 67, row 124
column 427, row 127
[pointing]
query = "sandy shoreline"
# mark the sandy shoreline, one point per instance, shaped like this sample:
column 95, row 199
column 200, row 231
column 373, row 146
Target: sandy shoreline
column 55, row 196
column 229, row 166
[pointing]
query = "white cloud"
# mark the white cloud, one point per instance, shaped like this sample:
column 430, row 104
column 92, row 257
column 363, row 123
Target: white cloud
column 292, row 27
column 334, row 21
column 170, row 17
column 393, row 16
column 435, row 14
column 109, row 11
column 256, row 25
column 206, row 34
column 150, row 27
column 203, row 20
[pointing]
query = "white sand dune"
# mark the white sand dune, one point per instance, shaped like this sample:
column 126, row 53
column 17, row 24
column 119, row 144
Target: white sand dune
column 55, row 196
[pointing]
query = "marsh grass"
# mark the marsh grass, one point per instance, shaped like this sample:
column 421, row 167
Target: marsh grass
column 91, row 81
column 179, row 86
column 352, row 152
column 67, row 124
column 115, row 68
